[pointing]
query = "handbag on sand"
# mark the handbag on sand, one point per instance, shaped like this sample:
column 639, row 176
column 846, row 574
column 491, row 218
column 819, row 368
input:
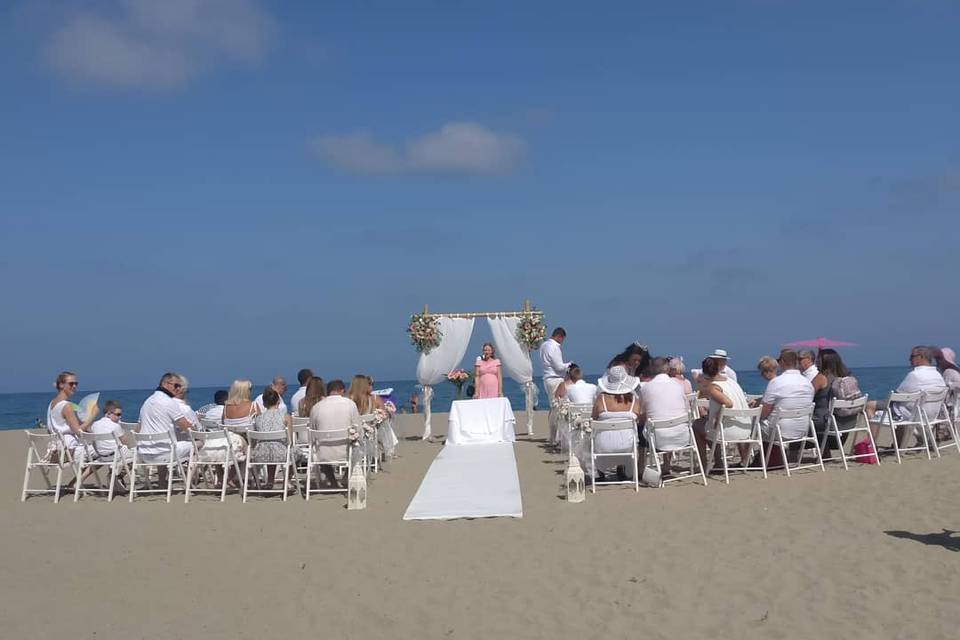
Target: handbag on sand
column 650, row 477
column 865, row 449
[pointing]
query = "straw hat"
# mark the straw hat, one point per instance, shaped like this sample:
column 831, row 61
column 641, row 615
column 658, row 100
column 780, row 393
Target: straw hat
column 616, row 381
column 719, row 353
column 949, row 355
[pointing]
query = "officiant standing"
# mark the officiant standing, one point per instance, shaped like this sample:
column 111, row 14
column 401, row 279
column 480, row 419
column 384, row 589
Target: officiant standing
column 554, row 369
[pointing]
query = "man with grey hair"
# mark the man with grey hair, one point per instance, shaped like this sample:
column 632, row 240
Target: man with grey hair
column 922, row 377
column 280, row 386
column 162, row 413
column 663, row 398
column 808, row 365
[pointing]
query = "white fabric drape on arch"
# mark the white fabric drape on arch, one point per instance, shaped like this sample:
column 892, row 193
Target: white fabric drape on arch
column 515, row 360
column 433, row 367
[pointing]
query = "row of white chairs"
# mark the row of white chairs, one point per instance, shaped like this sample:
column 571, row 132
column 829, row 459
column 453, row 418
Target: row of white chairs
column 48, row 454
column 923, row 412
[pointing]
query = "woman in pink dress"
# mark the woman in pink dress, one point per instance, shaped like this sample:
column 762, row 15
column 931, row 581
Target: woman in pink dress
column 488, row 375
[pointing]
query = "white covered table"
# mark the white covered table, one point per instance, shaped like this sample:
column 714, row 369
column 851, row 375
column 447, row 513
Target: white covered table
column 481, row 421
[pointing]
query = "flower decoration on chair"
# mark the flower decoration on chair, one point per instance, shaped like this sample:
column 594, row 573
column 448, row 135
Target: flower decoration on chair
column 582, row 423
column 353, row 435
column 531, row 330
column 390, row 408
column 424, row 332
column 379, row 417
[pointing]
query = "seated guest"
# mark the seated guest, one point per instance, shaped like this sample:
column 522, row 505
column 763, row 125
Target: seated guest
column 316, row 391
column 215, row 413
column 807, row 361
column 272, row 419
column 279, row 384
column 720, row 355
column 163, row 413
column 946, row 361
column 188, row 412
column 110, row 423
column 676, row 371
column 575, row 389
column 334, row 413
column 922, row 377
column 663, row 399
column 361, row 392
column 634, row 358
column 789, row 390
column 616, row 401
column 61, row 418
column 830, row 369
column 239, row 410
column 722, row 393
column 767, row 366
column 303, row 377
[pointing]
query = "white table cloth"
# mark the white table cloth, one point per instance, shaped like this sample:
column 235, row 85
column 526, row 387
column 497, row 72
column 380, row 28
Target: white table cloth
column 481, row 421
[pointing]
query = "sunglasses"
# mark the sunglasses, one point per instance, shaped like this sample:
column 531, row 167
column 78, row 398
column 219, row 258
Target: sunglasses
column 72, row 384
column 177, row 385
column 117, row 413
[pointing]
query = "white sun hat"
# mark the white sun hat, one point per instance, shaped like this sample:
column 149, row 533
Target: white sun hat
column 616, row 381
column 719, row 353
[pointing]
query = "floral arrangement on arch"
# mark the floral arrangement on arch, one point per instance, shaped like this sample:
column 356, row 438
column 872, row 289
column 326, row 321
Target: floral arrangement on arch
column 531, row 330
column 424, row 332
column 458, row 377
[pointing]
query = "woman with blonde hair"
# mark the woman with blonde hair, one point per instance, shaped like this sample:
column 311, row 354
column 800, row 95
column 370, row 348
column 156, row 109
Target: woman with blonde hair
column 239, row 411
column 768, row 367
column 61, row 417
column 316, row 391
column 361, row 392
column 676, row 370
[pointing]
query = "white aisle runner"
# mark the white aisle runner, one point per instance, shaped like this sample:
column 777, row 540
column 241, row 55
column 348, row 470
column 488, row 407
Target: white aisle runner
column 469, row 481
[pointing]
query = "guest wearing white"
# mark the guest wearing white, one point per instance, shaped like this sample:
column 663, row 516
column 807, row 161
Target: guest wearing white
column 922, row 377
column 724, row 361
column 722, row 393
column 278, row 384
column 767, row 366
column 61, row 418
column 808, row 364
column 303, row 377
column 677, row 370
column 946, row 360
column 617, row 401
column 188, row 412
column 663, row 399
column 575, row 389
column 789, row 390
column 334, row 413
column 215, row 413
column 554, row 371
column 163, row 413
column 110, row 423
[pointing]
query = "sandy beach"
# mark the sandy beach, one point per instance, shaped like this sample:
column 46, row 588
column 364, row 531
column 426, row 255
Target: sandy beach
column 812, row 555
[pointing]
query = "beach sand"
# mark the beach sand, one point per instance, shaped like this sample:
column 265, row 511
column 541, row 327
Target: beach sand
column 809, row 556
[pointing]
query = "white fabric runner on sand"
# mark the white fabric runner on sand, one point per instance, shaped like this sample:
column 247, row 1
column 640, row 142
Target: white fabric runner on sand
column 469, row 481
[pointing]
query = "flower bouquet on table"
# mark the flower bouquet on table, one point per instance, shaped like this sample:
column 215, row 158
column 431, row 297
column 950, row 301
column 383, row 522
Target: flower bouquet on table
column 458, row 377
column 424, row 332
column 531, row 330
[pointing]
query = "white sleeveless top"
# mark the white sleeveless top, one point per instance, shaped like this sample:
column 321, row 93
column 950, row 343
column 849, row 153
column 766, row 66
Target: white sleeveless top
column 57, row 423
column 242, row 421
column 732, row 390
column 580, row 392
column 617, row 415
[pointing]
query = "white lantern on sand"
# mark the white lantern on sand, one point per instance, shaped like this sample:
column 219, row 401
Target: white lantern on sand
column 574, row 481
column 357, row 489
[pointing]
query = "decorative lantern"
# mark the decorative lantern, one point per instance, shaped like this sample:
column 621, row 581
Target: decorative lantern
column 357, row 489
column 574, row 481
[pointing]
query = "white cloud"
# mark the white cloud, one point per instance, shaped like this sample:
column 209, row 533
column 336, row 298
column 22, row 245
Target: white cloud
column 457, row 147
column 158, row 45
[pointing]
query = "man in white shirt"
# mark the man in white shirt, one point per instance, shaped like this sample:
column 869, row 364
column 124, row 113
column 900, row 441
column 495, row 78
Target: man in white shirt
column 807, row 364
column 163, row 413
column 215, row 413
column 334, row 413
column 188, row 412
column 110, row 423
column 303, row 377
column 789, row 390
column 663, row 398
column 720, row 355
column 280, row 386
column 923, row 377
column 554, row 372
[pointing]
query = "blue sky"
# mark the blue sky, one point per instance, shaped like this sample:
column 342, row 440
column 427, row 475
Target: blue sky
column 243, row 188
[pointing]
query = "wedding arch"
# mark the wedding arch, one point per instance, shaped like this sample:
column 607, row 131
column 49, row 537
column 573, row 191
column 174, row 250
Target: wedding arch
column 446, row 336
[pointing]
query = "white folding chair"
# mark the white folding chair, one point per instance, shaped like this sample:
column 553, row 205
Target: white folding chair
column 147, row 460
column 255, row 439
column 208, row 466
column 723, row 437
column 583, row 411
column 45, row 453
column 856, row 408
column 599, row 427
column 673, row 436
column 936, row 415
column 202, row 410
column 207, row 424
column 300, row 450
column 332, row 438
column 907, row 416
column 92, row 460
column 793, row 426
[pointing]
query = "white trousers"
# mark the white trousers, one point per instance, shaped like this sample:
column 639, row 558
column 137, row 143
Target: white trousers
column 550, row 386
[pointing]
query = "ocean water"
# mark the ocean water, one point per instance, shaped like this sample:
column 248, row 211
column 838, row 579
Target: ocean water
column 22, row 410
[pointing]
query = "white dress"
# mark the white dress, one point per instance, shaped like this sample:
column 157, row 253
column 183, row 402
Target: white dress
column 735, row 428
column 57, row 423
column 620, row 441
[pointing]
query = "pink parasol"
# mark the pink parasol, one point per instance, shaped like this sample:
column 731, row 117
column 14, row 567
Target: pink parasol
column 820, row 343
